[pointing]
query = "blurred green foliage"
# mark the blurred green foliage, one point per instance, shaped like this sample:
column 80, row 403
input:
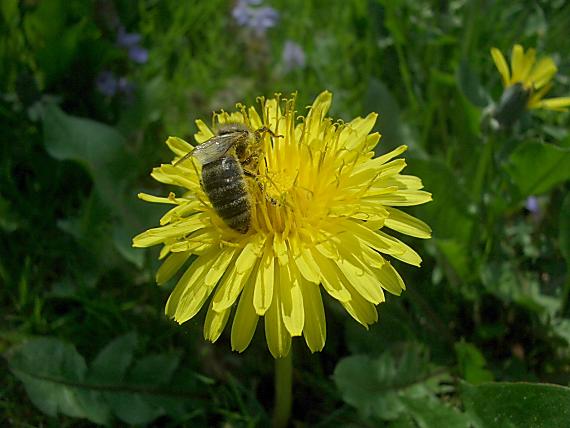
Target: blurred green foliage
column 83, row 115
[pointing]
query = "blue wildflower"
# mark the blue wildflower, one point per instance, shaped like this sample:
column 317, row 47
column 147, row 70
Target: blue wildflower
column 131, row 42
column 248, row 14
column 293, row 56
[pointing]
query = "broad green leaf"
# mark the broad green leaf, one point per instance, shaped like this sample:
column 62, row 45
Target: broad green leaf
column 504, row 280
column 378, row 387
column 537, row 167
column 101, row 150
column 472, row 363
column 148, row 374
column 53, row 374
column 517, row 405
column 431, row 412
column 469, row 85
column 98, row 147
column 111, row 363
column 378, row 98
column 448, row 213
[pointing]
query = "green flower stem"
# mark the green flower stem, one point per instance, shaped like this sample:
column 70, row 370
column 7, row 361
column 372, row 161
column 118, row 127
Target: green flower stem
column 482, row 167
column 283, row 390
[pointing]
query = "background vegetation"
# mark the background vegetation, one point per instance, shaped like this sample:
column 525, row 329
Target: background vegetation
column 89, row 90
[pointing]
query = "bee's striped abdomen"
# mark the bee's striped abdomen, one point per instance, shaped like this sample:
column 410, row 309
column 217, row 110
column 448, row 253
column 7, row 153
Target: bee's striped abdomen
column 224, row 183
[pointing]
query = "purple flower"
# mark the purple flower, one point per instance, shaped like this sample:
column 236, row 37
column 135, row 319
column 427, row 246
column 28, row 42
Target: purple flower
column 127, row 40
column 138, row 54
column 107, row 83
column 131, row 42
column 293, row 56
column 258, row 19
column 532, row 205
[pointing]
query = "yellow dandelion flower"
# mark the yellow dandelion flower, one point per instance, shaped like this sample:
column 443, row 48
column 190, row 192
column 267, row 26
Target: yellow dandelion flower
column 532, row 76
column 320, row 206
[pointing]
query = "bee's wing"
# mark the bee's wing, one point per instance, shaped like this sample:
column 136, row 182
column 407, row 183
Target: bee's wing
column 212, row 149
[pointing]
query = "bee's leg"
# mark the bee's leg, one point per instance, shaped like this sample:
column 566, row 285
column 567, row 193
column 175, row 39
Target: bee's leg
column 265, row 129
column 255, row 178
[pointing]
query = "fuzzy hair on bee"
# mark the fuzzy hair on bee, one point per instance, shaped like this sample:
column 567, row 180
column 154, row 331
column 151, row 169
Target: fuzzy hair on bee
column 226, row 159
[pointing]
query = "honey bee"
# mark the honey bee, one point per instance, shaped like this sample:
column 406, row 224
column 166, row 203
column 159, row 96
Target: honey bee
column 226, row 159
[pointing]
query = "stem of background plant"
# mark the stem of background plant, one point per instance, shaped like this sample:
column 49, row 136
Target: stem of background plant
column 403, row 65
column 482, row 167
column 283, row 390
column 485, row 159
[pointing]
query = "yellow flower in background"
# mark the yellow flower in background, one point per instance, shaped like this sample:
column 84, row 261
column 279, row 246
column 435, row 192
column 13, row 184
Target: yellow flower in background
column 535, row 77
column 320, row 207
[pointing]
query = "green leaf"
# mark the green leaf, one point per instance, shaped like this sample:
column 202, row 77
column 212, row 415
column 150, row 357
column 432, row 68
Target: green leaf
column 378, row 98
column 99, row 147
column 564, row 229
column 470, row 86
column 472, row 363
column 58, row 381
column 54, row 39
column 431, row 412
column 379, row 387
column 510, row 405
column 504, row 280
column 148, row 373
column 101, row 150
column 52, row 373
column 537, row 167
column 111, row 364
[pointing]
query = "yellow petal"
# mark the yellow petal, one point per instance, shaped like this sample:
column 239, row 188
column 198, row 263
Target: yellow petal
column 407, row 224
column 178, row 146
column 537, row 96
column 233, row 281
column 204, row 132
column 161, row 234
column 276, row 334
column 353, row 135
column 502, row 66
column 291, row 298
column 360, row 309
column 185, row 209
column 403, row 198
column 215, row 273
column 264, row 282
column 157, row 199
column 215, row 323
column 330, row 278
column 361, row 278
column 390, row 279
column 542, row 73
column 170, row 266
column 254, row 118
column 304, row 260
column 528, row 63
column 558, row 104
column 517, row 63
column 399, row 250
column 245, row 319
column 189, row 294
column 315, row 116
column 315, row 328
